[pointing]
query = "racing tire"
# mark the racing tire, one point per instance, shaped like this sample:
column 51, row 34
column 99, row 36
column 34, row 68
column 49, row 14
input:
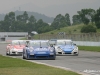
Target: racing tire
column 23, row 56
column 9, row 53
column 75, row 54
column 6, row 53
column 27, row 57
column 54, row 58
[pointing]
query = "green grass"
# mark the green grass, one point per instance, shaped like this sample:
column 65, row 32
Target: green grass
column 15, row 66
column 74, row 29
column 98, row 30
column 70, row 29
column 90, row 48
column 23, row 39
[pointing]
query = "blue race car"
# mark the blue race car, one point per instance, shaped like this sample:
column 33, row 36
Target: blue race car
column 39, row 49
column 64, row 46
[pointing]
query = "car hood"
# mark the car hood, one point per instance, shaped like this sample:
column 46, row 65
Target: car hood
column 67, row 47
column 41, row 48
column 19, row 46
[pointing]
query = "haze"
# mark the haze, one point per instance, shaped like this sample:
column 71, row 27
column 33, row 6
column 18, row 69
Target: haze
column 49, row 8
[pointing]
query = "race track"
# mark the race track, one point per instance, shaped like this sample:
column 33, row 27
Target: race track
column 88, row 62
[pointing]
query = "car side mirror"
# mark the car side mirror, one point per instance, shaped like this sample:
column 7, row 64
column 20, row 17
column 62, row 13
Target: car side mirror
column 51, row 45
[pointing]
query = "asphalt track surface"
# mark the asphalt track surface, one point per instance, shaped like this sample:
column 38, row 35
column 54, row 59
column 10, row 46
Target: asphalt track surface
column 86, row 62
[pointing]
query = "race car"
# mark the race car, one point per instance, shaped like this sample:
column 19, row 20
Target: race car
column 39, row 49
column 15, row 47
column 64, row 47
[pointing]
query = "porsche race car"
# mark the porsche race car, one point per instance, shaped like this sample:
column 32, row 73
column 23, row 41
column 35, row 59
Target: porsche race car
column 64, row 47
column 15, row 47
column 39, row 49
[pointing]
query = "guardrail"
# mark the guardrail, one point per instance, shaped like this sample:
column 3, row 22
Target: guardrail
column 6, row 34
column 87, row 43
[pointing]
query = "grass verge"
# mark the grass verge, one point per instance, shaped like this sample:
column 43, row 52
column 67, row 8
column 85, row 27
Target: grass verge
column 14, row 66
column 90, row 48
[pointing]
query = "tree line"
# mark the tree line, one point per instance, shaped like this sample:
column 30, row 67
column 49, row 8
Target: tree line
column 24, row 23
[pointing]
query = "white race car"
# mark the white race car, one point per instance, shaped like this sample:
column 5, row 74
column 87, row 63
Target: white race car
column 63, row 47
column 15, row 47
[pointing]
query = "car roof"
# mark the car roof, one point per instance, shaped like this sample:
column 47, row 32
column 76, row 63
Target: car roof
column 64, row 40
column 60, row 40
column 39, row 40
column 16, row 40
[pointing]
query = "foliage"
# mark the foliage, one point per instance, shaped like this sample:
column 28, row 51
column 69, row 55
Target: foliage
column 88, row 29
column 23, row 23
column 67, row 30
column 61, row 21
column 97, row 18
column 26, row 23
column 87, row 15
column 76, row 19
column 67, row 19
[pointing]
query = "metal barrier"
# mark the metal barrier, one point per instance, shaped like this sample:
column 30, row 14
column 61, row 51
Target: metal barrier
column 86, row 39
column 12, row 35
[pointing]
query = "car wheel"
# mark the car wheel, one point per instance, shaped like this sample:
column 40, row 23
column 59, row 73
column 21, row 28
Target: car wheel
column 9, row 53
column 76, row 54
column 54, row 57
column 23, row 56
column 27, row 57
column 6, row 53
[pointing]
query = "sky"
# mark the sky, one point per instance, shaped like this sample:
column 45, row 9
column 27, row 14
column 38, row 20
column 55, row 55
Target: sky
column 49, row 8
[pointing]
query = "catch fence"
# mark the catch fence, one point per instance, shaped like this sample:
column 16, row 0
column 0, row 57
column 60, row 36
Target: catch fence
column 75, row 37
column 86, row 39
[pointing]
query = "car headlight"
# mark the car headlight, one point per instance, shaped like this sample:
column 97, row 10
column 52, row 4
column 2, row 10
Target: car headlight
column 76, row 48
column 51, row 49
column 31, row 49
column 59, row 49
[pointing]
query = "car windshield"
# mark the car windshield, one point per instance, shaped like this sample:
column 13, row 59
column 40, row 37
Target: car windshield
column 52, row 42
column 21, row 42
column 18, row 43
column 64, row 43
column 15, row 43
column 39, row 44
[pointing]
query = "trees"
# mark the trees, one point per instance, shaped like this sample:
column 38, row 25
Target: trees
column 67, row 19
column 87, row 15
column 9, row 20
column 25, row 17
column 58, row 21
column 76, row 19
column 97, row 18
column 42, row 27
column 25, row 23
column 32, row 19
column 31, row 24
column 61, row 21
column 88, row 29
